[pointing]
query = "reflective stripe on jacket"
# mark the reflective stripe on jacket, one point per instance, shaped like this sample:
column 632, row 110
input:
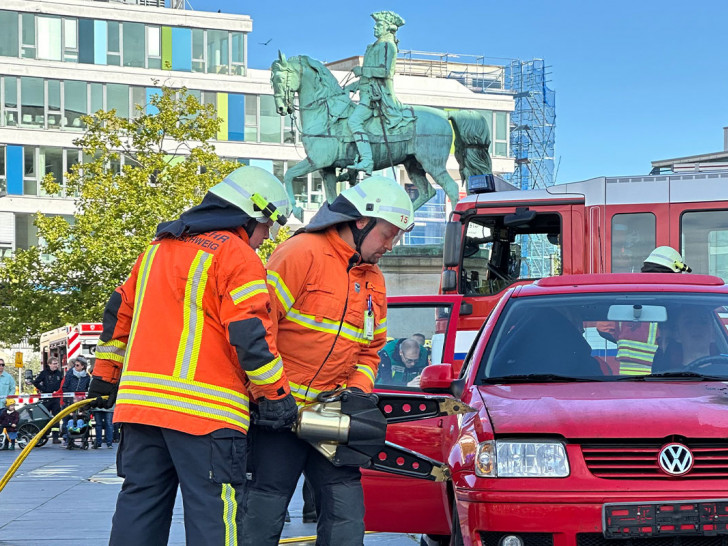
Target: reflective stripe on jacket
column 190, row 323
column 321, row 309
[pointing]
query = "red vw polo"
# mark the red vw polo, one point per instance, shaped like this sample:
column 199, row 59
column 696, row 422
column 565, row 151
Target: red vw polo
column 601, row 416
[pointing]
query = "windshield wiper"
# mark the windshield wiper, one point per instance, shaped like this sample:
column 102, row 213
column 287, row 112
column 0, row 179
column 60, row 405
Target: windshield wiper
column 534, row 378
column 690, row 376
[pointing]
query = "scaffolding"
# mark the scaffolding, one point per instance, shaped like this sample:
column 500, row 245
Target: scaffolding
column 532, row 123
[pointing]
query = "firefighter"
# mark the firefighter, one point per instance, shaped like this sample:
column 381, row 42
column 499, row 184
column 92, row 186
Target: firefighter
column 637, row 342
column 181, row 338
column 329, row 297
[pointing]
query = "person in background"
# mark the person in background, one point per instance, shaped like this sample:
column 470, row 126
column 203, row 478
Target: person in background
column 401, row 360
column 104, row 419
column 9, row 421
column 692, row 339
column 7, row 383
column 76, row 381
column 47, row 382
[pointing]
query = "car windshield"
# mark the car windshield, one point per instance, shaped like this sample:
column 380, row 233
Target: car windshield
column 609, row 336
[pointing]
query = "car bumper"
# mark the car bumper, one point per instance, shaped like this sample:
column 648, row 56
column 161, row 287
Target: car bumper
column 554, row 519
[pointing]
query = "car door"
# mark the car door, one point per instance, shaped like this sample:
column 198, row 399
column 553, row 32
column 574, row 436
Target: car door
column 403, row 504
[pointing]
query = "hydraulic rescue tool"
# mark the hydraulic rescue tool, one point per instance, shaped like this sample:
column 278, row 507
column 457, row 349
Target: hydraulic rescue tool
column 349, row 428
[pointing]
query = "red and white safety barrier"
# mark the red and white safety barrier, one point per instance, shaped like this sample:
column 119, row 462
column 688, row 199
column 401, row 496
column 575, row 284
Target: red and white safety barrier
column 33, row 398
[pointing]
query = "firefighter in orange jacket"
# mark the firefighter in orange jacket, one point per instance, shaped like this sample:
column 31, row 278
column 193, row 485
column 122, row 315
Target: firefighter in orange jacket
column 182, row 337
column 329, row 298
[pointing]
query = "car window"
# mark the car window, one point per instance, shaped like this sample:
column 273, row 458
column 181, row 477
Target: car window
column 609, row 336
column 415, row 339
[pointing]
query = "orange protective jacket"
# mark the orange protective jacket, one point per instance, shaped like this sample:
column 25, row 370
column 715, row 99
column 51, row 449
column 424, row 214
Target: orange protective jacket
column 322, row 302
column 188, row 326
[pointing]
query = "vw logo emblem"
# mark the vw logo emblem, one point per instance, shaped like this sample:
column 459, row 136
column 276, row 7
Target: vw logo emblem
column 675, row 459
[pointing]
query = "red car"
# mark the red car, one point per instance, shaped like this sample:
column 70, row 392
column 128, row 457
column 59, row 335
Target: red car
column 601, row 417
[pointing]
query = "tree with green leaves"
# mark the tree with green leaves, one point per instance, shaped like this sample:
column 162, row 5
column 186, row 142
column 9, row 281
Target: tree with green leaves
column 168, row 165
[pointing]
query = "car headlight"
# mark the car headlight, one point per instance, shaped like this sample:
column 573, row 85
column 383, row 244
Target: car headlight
column 516, row 459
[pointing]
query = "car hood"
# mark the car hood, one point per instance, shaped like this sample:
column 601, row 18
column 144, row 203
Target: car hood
column 609, row 409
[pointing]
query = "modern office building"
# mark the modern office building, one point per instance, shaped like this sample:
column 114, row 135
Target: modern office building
column 60, row 59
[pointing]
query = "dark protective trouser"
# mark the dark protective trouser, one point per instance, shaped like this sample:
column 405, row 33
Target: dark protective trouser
column 210, row 471
column 275, row 462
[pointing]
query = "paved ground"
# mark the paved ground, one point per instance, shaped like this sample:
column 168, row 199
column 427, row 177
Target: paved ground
column 67, row 498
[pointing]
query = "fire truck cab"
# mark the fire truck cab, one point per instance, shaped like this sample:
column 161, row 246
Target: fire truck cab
column 70, row 341
column 608, row 224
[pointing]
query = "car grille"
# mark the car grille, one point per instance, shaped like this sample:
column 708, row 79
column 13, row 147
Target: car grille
column 639, row 460
column 529, row 539
column 597, row 539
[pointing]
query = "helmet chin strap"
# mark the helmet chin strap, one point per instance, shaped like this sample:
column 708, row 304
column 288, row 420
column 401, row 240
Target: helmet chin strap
column 360, row 234
column 249, row 227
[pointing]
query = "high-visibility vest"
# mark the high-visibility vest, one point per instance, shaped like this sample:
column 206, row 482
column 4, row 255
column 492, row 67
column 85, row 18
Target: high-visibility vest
column 190, row 326
column 636, row 347
column 331, row 314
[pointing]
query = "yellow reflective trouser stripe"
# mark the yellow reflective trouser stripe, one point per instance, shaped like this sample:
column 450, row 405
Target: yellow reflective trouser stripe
column 194, row 317
column 141, row 287
column 279, row 287
column 111, row 350
column 327, row 326
column 181, row 404
column 366, row 370
column 248, row 290
column 267, row 374
column 195, row 388
column 229, row 510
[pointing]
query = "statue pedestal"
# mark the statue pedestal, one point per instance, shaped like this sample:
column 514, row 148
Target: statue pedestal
column 412, row 270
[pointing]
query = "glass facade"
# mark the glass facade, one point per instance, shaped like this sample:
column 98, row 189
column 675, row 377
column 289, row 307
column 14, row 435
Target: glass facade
column 121, row 43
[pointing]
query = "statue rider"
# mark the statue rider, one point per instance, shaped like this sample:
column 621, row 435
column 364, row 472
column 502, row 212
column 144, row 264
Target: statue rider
column 376, row 92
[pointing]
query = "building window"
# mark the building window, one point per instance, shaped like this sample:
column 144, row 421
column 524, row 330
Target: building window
column 133, row 44
column 50, row 161
column 704, row 242
column 10, row 93
column 238, row 53
column 113, row 47
column 27, row 47
column 138, row 99
column 32, row 102
column 117, row 98
column 3, row 180
column 198, row 50
column 270, row 120
column 30, row 171
column 217, row 51
column 26, row 233
column 74, row 104
column 70, row 40
column 53, row 111
column 251, row 118
column 9, row 35
column 633, row 238
column 154, row 47
column 49, row 38
column 500, row 136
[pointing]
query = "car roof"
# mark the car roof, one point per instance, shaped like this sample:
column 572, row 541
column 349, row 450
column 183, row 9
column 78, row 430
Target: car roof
column 624, row 282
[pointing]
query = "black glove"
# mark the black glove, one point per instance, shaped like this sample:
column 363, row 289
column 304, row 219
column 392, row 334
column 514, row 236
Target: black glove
column 99, row 388
column 277, row 414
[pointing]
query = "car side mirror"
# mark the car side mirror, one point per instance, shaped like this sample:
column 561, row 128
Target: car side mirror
column 438, row 379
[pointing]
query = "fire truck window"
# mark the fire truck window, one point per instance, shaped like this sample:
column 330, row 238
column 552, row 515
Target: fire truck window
column 495, row 255
column 633, row 238
column 704, row 240
column 415, row 339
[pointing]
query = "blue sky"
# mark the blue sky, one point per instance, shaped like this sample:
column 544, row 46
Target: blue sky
column 635, row 80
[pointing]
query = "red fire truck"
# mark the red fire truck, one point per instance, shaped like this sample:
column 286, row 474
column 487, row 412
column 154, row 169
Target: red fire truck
column 70, row 341
column 603, row 225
